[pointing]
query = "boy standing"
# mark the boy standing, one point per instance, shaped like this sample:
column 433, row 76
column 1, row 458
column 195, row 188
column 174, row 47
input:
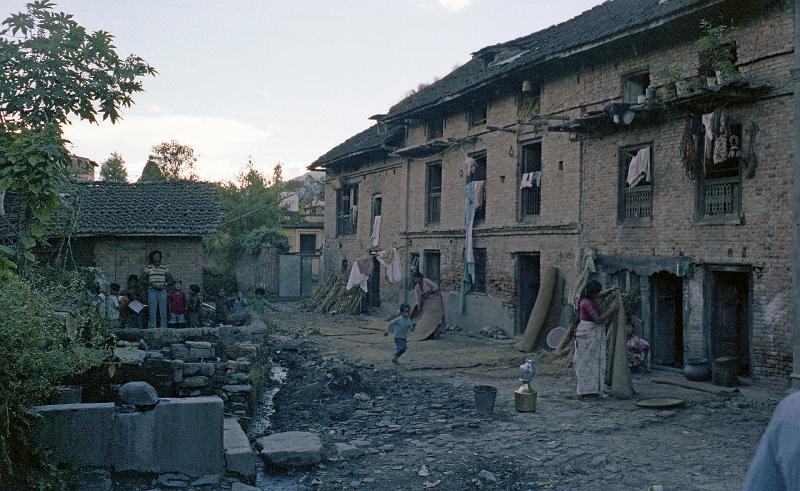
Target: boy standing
column 195, row 304
column 400, row 325
column 112, row 305
column 177, row 306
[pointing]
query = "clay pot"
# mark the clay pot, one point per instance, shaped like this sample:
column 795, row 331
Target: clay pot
column 697, row 369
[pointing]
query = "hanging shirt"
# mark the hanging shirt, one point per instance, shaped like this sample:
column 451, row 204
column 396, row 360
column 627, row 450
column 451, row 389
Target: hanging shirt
column 639, row 168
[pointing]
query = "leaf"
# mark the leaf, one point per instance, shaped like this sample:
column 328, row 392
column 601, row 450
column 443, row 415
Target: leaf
column 112, row 369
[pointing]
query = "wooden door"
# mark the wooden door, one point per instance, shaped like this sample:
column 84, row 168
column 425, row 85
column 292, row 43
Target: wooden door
column 527, row 288
column 374, row 284
column 667, row 320
column 729, row 317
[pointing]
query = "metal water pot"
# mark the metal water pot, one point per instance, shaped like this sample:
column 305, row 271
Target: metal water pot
column 527, row 370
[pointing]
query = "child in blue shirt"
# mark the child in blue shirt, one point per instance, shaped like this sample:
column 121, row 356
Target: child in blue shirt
column 400, row 325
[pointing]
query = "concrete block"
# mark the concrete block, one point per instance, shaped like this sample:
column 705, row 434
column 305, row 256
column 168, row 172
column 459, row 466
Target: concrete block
column 291, row 449
column 179, row 435
column 240, row 458
column 76, row 433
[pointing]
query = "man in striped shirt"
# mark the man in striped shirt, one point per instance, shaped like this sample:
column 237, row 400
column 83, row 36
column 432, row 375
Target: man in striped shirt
column 156, row 278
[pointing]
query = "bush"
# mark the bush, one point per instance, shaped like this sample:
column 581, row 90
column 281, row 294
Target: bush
column 216, row 278
column 38, row 353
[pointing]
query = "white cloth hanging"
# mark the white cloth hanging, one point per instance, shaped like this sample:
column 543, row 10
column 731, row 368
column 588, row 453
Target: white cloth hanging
column 639, row 168
column 527, row 180
column 376, row 231
column 359, row 274
column 390, row 259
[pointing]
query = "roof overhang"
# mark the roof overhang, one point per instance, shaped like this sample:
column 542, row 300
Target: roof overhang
column 561, row 55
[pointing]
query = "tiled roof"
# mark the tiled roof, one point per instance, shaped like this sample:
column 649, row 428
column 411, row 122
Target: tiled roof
column 172, row 208
column 602, row 23
column 363, row 142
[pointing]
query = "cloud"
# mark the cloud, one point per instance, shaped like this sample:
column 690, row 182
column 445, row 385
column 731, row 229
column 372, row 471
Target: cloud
column 454, row 5
column 222, row 145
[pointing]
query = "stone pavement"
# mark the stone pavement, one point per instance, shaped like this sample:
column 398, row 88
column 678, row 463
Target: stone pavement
column 418, row 429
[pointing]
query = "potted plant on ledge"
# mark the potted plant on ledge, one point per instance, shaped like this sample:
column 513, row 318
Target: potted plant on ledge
column 717, row 50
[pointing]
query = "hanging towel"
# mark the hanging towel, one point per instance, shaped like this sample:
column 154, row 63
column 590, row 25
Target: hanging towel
column 527, row 181
column 536, row 178
column 390, row 258
column 376, row 231
column 474, row 192
column 708, row 125
column 639, row 168
column 469, row 167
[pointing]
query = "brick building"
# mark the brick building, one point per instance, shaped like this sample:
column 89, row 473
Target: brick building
column 707, row 246
column 118, row 224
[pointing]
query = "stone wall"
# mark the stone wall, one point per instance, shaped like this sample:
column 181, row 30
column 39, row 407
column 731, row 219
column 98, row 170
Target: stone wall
column 193, row 362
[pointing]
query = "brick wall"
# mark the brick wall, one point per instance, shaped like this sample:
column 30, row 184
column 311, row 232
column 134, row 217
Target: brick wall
column 580, row 190
column 119, row 257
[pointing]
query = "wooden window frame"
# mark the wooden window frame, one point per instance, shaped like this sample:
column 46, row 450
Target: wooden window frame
column 625, row 193
column 346, row 223
column 480, row 174
column 474, row 121
column 720, row 181
column 535, row 193
column 428, row 255
column 630, row 77
column 433, row 195
column 434, row 128
column 376, row 198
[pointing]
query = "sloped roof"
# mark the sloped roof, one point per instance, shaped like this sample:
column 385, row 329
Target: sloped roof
column 599, row 24
column 172, row 208
column 363, row 142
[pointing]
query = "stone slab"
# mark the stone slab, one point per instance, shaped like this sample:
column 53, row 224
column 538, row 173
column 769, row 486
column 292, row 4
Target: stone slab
column 179, row 435
column 291, row 449
column 240, row 458
column 78, row 434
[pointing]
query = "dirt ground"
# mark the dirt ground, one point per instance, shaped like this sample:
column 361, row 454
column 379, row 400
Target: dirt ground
column 417, row 427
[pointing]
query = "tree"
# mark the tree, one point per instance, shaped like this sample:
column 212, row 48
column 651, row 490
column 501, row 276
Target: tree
column 53, row 70
column 151, row 173
column 113, row 169
column 175, row 161
column 277, row 174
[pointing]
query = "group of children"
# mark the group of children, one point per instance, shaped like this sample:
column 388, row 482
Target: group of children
column 127, row 308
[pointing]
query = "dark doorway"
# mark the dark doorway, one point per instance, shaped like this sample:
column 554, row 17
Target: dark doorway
column 308, row 243
column 730, row 333
column 667, row 320
column 374, row 284
column 527, row 288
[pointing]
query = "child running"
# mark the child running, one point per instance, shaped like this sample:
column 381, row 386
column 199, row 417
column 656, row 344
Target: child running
column 400, row 325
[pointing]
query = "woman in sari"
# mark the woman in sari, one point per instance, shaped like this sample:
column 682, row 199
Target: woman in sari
column 590, row 346
column 429, row 308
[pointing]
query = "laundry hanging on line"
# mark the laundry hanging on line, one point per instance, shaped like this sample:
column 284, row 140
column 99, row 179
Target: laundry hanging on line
column 360, row 273
column 390, row 259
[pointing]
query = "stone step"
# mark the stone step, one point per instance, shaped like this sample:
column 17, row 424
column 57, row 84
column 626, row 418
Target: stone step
column 240, row 458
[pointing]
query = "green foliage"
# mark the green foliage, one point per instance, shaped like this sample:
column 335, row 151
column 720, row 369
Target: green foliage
column 39, row 352
column 673, row 73
column 714, row 44
column 277, row 174
column 53, row 68
column 252, row 242
column 113, row 169
column 174, row 160
column 215, row 279
column 251, row 216
column 151, row 173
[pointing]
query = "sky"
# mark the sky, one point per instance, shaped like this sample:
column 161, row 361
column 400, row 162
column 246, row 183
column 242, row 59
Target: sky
column 282, row 81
